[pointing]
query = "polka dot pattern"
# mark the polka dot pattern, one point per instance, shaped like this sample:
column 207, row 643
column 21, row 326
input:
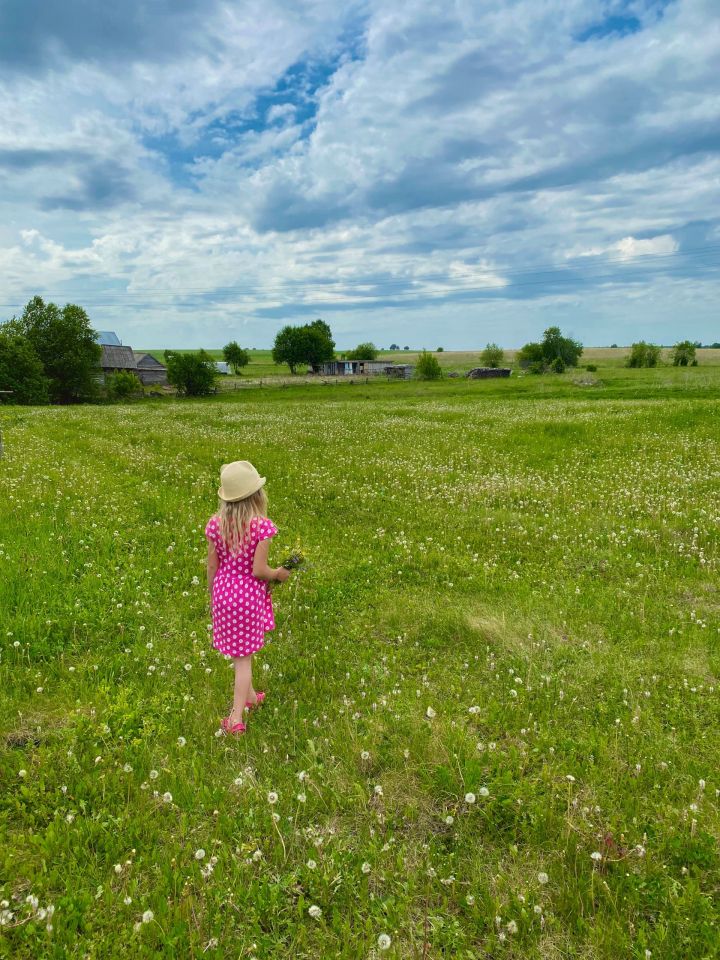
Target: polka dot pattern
column 242, row 610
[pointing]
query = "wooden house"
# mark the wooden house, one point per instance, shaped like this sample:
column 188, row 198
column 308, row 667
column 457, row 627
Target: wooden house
column 116, row 357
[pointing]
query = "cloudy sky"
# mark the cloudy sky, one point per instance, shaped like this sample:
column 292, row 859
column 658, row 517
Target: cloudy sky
column 427, row 172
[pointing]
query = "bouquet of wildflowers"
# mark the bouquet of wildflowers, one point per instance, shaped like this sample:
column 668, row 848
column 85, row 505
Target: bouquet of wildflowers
column 295, row 559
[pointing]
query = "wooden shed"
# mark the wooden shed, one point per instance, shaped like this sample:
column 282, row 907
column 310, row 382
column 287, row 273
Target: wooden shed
column 150, row 370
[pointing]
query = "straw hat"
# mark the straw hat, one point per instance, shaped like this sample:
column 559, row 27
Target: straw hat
column 239, row 480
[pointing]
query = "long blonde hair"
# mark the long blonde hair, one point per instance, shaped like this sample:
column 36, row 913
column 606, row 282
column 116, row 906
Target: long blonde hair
column 235, row 518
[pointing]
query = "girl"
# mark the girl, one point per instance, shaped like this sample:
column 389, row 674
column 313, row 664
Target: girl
column 239, row 578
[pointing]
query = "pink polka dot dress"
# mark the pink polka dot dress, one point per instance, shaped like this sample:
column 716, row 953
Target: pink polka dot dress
column 242, row 610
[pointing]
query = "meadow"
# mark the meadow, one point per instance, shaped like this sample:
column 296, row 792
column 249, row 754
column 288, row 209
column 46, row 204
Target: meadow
column 491, row 726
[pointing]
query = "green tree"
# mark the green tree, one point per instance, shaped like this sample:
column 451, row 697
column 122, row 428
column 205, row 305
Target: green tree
column 192, row 374
column 557, row 347
column 554, row 352
column 683, row 354
column 363, row 351
column 289, row 347
column 311, row 344
column 492, row 356
column 643, row 354
column 21, row 371
column 427, row 367
column 235, row 356
column 66, row 345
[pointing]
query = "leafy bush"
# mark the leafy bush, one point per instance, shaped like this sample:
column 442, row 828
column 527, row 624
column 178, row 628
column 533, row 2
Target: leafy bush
column 123, row 384
column 683, row 354
column 21, row 371
column 363, row 351
column 427, row 367
column 558, row 365
column 492, row 356
column 192, row 374
column 536, row 367
column 235, row 356
column 591, row 367
column 643, row 354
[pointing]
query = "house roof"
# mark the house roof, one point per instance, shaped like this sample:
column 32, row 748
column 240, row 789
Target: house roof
column 146, row 360
column 107, row 338
column 117, row 358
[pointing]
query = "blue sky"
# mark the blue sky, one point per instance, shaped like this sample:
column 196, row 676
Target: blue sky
column 428, row 173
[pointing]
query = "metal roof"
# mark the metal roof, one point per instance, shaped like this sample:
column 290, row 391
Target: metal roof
column 106, row 338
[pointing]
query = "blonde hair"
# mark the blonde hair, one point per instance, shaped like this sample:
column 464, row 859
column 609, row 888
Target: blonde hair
column 235, row 518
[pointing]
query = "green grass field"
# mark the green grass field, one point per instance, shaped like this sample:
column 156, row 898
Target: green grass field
column 492, row 711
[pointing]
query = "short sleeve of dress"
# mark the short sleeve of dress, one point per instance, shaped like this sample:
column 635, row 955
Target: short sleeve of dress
column 266, row 529
column 212, row 532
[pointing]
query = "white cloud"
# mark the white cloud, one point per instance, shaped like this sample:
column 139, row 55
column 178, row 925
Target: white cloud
column 458, row 150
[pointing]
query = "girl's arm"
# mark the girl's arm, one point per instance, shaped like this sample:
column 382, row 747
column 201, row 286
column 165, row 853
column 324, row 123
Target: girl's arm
column 212, row 564
column 261, row 570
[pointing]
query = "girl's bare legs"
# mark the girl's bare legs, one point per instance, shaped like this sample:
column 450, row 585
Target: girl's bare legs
column 243, row 686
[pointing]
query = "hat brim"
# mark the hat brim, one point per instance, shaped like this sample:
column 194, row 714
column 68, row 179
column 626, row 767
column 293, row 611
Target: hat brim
column 260, row 485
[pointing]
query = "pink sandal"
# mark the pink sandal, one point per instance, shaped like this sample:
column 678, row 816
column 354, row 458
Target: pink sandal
column 260, row 697
column 230, row 727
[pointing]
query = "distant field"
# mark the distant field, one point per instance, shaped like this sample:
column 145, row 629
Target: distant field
column 460, row 361
column 493, row 703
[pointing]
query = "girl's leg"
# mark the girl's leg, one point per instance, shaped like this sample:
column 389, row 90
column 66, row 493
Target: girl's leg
column 252, row 696
column 243, row 685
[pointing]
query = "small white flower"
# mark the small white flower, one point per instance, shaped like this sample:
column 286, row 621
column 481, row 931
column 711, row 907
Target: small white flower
column 181, row 741
column 543, row 878
column 537, row 909
column 470, row 900
column 118, row 868
column 311, row 865
column 512, row 927
column 484, row 792
column 470, row 798
column 366, row 868
column 127, row 901
column 127, row 768
column 188, row 666
column 200, row 854
column 430, row 713
column 596, row 856
column 701, row 784
column 22, row 774
column 378, row 790
column 384, row 942
column 315, row 912
column 154, row 774
column 302, row 775
column 449, row 820
column 148, row 916
column 301, row 798
column 570, row 778
column 272, row 797
column 365, row 755
column 167, row 797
